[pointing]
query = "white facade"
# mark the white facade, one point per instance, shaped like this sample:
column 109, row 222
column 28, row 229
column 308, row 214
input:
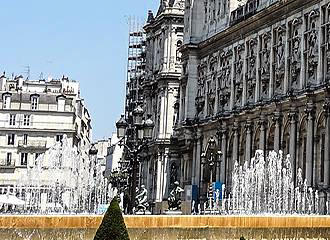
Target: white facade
column 102, row 151
column 164, row 37
column 34, row 115
column 114, row 155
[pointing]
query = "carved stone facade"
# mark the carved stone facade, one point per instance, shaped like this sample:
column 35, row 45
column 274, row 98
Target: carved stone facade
column 164, row 37
column 255, row 80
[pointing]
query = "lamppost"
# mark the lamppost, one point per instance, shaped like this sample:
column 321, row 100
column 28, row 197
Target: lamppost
column 211, row 157
column 92, row 174
column 142, row 132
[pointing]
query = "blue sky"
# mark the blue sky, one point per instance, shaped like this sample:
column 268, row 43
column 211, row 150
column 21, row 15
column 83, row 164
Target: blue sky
column 83, row 39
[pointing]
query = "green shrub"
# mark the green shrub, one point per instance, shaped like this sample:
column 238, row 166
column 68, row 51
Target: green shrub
column 113, row 226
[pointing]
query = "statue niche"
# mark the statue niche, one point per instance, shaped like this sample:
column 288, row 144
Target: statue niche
column 224, row 81
column 238, row 79
column 279, row 46
column 265, row 65
column 251, row 71
column 211, row 88
column 311, row 38
column 295, row 53
column 327, row 46
column 200, row 98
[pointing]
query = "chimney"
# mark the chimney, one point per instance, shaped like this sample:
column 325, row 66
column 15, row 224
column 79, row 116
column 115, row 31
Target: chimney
column 19, row 80
column 3, row 81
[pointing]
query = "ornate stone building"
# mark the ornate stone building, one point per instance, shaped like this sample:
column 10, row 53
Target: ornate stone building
column 160, row 84
column 255, row 75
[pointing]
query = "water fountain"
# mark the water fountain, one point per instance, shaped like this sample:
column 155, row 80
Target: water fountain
column 61, row 181
column 265, row 185
column 263, row 203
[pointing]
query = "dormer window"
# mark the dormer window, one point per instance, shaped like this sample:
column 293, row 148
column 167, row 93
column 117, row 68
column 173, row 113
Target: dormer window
column 6, row 101
column 34, row 102
column 61, row 103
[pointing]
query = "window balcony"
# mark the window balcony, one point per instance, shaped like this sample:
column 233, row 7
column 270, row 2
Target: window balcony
column 32, row 145
column 5, row 165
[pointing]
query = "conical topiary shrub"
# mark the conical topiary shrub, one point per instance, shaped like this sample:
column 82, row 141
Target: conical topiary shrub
column 113, row 226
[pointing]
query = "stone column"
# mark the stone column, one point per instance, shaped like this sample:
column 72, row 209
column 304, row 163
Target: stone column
column 293, row 140
column 278, row 129
column 159, row 178
column 198, row 158
column 326, row 108
column 326, row 169
column 194, row 181
column 191, row 90
column 235, row 143
column 310, row 112
column 223, row 149
column 262, row 143
column 248, row 127
column 217, row 165
column 166, row 175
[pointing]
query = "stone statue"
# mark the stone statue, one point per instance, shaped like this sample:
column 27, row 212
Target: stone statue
column 193, row 207
column 174, row 200
column 217, row 199
column 280, row 53
column 173, row 174
column 141, row 199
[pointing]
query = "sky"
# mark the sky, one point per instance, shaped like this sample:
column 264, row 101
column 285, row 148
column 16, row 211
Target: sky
column 83, row 39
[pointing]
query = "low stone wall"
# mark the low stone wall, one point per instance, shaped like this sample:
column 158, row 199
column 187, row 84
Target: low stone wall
column 168, row 227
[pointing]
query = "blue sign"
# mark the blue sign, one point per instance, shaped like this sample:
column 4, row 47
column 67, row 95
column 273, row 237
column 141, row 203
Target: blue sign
column 217, row 186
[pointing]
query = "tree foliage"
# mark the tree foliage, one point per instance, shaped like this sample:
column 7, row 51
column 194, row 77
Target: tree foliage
column 113, row 226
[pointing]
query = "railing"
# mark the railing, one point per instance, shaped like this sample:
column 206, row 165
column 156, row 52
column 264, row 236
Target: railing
column 32, row 144
column 4, row 164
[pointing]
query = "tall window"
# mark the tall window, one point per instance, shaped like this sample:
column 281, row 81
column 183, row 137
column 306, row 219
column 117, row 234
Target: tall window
column 6, row 101
column 34, row 103
column 36, row 158
column 25, row 138
column 24, row 158
column 26, row 120
column 59, row 138
column 11, row 139
column 12, row 119
column 8, row 160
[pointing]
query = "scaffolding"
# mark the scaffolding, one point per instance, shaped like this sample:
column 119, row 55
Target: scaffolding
column 135, row 64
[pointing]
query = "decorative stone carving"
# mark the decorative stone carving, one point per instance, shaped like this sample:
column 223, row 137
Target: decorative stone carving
column 174, row 200
column 265, row 65
column 211, row 89
column 141, row 199
column 251, row 70
column 311, row 36
column 200, row 99
column 238, row 79
column 173, row 174
column 326, row 44
column 279, row 47
column 327, row 51
column 224, row 80
column 295, row 53
column 179, row 4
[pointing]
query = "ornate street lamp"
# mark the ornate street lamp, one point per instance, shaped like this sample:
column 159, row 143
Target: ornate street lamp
column 121, row 127
column 210, row 156
column 143, row 130
column 92, row 173
column 148, row 127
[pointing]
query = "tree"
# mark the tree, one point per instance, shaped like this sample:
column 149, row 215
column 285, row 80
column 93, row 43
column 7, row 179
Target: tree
column 113, row 226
